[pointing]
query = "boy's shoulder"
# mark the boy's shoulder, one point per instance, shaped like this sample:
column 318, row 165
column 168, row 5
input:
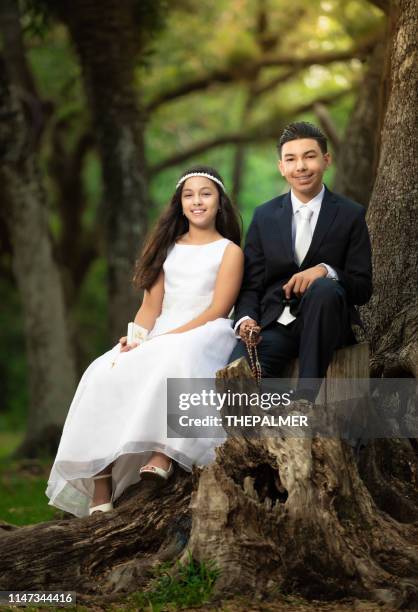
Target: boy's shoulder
column 272, row 204
column 346, row 203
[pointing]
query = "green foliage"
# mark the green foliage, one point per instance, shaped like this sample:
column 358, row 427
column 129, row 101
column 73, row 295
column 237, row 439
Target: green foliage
column 36, row 15
column 150, row 14
column 189, row 584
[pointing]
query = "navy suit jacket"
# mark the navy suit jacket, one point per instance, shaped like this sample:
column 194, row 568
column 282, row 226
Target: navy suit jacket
column 341, row 240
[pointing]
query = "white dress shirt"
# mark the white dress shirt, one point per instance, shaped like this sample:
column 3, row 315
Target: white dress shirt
column 315, row 206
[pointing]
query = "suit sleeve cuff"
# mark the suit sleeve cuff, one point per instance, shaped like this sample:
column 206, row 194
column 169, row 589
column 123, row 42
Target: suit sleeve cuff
column 331, row 273
column 238, row 323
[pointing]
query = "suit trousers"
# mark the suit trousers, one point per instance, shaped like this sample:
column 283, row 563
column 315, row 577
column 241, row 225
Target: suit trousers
column 323, row 324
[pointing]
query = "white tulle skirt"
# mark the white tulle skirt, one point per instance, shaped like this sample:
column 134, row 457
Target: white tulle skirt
column 119, row 413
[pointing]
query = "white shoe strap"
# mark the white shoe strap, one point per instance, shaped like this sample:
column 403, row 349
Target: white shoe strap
column 156, row 470
column 101, row 508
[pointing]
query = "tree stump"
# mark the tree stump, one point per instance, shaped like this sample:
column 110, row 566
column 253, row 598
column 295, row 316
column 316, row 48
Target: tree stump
column 293, row 514
column 350, row 363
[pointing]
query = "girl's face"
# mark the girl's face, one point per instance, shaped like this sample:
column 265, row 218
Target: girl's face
column 200, row 201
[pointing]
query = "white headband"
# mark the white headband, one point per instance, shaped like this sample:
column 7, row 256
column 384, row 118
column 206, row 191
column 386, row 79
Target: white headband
column 209, row 176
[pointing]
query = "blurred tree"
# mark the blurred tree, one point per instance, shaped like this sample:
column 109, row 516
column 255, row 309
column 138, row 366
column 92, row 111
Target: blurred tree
column 266, row 41
column 51, row 367
column 109, row 42
column 260, row 132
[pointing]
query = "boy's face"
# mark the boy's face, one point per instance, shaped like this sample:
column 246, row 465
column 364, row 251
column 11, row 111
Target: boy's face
column 303, row 165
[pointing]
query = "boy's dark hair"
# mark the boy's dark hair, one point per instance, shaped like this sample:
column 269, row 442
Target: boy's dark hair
column 302, row 129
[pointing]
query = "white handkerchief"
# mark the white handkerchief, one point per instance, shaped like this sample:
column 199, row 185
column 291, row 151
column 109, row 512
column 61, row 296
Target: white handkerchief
column 286, row 317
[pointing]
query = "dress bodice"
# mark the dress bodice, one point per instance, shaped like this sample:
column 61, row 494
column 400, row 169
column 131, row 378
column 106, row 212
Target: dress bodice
column 190, row 273
column 192, row 268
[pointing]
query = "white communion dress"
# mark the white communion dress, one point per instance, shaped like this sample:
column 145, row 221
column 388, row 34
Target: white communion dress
column 119, row 413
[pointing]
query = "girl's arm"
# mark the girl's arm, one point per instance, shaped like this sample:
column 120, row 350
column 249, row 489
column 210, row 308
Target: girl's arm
column 151, row 305
column 149, row 310
column 228, row 283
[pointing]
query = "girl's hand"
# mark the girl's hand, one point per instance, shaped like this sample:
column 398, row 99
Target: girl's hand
column 124, row 346
column 123, row 341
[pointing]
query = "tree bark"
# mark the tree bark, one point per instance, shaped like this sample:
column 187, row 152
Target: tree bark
column 357, row 156
column 392, row 313
column 102, row 555
column 108, row 42
column 51, row 368
column 389, row 467
column 293, row 514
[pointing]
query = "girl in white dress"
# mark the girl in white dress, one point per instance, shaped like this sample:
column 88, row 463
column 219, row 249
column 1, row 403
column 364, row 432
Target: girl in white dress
column 115, row 432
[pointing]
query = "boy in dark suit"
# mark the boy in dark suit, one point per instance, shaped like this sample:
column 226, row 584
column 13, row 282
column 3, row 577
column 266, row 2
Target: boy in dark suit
column 307, row 265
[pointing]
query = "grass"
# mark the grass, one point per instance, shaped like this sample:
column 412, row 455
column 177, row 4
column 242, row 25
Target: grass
column 9, row 441
column 22, row 485
column 174, row 588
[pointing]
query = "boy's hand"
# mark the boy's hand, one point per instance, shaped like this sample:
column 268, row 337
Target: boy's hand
column 301, row 281
column 244, row 330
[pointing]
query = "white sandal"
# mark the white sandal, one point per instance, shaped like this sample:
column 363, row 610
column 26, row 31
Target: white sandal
column 102, row 507
column 149, row 471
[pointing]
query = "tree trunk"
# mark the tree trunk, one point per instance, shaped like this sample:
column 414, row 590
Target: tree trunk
column 319, row 534
column 293, row 514
column 108, row 41
column 238, row 168
column 51, row 368
column 392, row 313
column 102, row 555
column 357, row 155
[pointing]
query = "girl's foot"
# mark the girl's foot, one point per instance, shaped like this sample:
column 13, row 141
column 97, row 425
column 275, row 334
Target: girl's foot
column 159, row 460
column 159, row 465
column 102, row 490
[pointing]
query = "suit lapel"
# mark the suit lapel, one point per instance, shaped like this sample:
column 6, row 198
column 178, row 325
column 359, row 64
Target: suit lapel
column 329, row 209
column 284, row 219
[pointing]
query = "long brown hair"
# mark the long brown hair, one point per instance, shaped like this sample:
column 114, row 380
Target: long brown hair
column 172, row 224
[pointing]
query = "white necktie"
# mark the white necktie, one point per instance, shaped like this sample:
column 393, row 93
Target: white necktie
column 303, row 233
column 302, row 243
